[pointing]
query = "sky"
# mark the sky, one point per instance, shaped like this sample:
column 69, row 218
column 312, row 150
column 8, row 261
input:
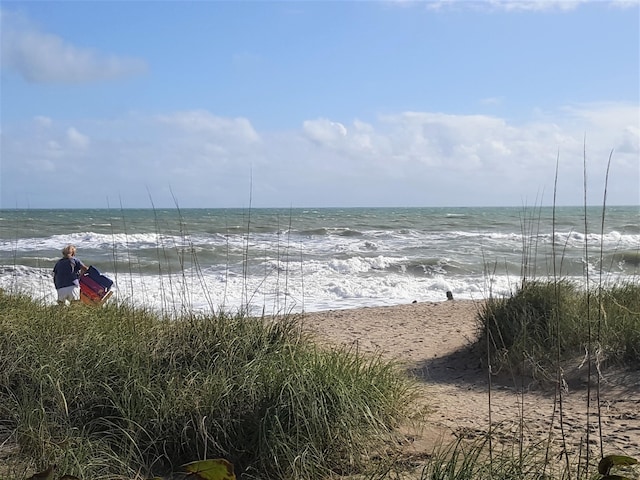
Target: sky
column 217, row 104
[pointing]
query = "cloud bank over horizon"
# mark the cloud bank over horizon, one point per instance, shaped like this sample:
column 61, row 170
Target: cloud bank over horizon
column 212, row 161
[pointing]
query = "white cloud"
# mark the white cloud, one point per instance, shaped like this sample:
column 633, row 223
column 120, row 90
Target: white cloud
column 324, row 132
column 629, row 140
column 202, row 122
column 515, row 5
column 408, row 158
column 535, row 5
column 76, row 139
column 45, row 58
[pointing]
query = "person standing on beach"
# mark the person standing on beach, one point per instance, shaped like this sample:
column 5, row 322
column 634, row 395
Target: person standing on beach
column 66, row 274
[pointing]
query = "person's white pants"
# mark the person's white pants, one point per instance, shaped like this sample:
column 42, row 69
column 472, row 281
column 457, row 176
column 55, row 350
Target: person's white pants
column 71, row 293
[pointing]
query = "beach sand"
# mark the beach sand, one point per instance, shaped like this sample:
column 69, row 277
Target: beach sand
column 434, row 341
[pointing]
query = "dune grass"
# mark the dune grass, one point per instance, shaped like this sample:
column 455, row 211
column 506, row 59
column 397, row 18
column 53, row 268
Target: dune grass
column 526, row 329
column 123, row 393
column 478, row 460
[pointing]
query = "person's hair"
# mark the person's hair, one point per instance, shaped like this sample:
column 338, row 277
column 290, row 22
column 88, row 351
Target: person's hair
column 69, row 251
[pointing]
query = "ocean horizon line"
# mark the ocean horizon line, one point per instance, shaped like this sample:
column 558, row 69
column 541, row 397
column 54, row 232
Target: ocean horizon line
column 413, row 207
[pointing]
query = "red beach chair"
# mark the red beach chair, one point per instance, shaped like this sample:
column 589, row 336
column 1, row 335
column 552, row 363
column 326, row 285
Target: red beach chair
column 95, row 288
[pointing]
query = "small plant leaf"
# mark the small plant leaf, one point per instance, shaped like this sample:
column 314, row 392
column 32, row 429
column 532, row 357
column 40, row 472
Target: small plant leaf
column 218, row 469
column 610, row 461
column 46, row 474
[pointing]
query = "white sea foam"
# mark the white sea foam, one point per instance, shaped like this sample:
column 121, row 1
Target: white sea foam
column 341, row 259
column 324, row 288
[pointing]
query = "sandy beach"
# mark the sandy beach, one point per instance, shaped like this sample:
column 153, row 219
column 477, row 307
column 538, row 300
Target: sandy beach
column 434, row 341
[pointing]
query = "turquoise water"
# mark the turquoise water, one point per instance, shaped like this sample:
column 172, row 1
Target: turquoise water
column 313, row 259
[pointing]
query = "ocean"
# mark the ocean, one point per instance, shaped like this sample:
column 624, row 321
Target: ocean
column 275, row 261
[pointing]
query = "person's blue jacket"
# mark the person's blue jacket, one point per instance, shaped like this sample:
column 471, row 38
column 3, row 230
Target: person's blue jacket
column 66, row 272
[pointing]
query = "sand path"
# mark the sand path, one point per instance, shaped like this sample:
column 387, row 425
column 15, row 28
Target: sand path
column 434, row 341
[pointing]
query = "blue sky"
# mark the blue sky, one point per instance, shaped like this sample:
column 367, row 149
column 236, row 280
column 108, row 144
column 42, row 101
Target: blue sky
column 300, row 104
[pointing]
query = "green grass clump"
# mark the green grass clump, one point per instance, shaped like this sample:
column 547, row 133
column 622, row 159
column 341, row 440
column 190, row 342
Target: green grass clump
column 119, row 392
column 476, row 460
column 547, row 321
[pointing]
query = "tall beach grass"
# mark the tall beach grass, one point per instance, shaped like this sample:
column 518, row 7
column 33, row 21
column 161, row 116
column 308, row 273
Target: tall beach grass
column 525, row 331
column 124, row 393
